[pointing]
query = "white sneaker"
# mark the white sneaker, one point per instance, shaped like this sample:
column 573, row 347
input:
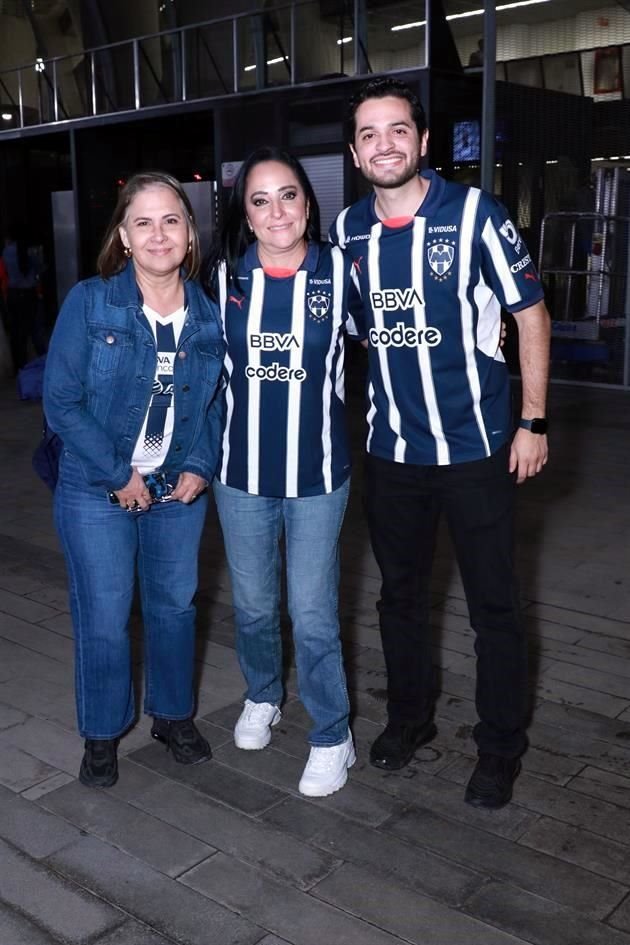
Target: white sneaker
column 253, row 729
column 327, row 769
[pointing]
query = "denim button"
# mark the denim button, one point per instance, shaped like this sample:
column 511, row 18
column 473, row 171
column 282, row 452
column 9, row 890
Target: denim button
column 186, row 388
column 178, row 448
column 184, row 419
column 181, row 354
column 110, row 339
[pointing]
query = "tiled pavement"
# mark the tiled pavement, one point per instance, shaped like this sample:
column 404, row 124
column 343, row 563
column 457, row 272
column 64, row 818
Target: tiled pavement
column 228, row 852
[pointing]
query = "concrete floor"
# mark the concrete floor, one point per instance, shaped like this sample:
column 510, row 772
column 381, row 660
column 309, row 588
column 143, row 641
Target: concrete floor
column 228, row 852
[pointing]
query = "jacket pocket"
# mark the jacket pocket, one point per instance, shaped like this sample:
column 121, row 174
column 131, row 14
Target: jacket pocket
column 106, row 348
column 211, row 361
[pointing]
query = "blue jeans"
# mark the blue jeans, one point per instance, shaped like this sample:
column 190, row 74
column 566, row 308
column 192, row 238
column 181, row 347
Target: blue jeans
column 252, row 526
column 104, row 546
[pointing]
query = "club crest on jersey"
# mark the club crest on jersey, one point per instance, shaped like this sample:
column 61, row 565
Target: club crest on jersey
column 441, row 254
column 318, row 305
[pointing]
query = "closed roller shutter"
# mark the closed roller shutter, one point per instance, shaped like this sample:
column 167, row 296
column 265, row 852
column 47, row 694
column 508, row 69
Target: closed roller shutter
column 326, row 175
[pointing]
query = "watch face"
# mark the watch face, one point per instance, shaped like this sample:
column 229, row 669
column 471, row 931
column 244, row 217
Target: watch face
column 539, row 425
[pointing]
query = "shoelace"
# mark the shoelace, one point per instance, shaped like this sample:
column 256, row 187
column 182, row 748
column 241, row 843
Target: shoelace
column 256, row 711
column 323, row 758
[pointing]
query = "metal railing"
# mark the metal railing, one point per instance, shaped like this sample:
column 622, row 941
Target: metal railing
column 287, row 45
column 583, row 261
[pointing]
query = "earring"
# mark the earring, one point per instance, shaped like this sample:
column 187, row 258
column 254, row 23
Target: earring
column 189, row 247
column 250, row 227
column 127, row 251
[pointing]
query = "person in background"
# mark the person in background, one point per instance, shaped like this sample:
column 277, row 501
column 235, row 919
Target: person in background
column 132, row 386
column 285, row 463
column 436, row 261
column 21, row 269
column 476, row 57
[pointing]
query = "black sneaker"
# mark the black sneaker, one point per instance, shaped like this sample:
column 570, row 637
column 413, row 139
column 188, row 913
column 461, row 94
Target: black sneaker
column 183, row 739
column 395, row 746
column 99, row 767
column 491, row 782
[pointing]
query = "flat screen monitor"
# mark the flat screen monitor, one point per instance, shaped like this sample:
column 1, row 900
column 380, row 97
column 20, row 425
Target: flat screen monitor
column 466, row 141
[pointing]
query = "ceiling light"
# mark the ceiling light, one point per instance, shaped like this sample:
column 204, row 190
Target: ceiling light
column 270, row 62
column 6, row 116
column 346, row 39
column 461, row 16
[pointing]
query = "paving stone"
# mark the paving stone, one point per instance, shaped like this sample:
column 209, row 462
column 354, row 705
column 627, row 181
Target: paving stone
column 275, row 767
column 45, row 787
column 621, row 917
column 17, row 606
column 32, row 830
column 15, row 929
column 54, row 904
column 412, row 786
column 603, row 784
column 409, row 865
column 10, row 716
column 164, row 904
column 602, row 856
column 581, row 697
column 593, row 678
column 397, row 909
column 41, row 697
column 612, row 754
column 580, row 620
column 50, row 743
column 20, row 770
column 571, row 807
column 134, row 831
column 276, row 852
column 133, row 933
column 561, row 882
column 614, row 664
column 571, row 718
column 539, row 920
column 287, row 912
column 272, row 940
column 214, row 779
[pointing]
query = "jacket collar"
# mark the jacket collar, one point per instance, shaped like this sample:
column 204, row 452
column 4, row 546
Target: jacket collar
column 123, row 292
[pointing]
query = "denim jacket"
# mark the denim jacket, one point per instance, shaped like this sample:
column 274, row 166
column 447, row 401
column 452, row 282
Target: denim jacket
column 99, row 375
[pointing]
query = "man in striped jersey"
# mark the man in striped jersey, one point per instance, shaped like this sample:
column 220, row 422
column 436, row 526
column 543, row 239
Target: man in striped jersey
column 435, row 262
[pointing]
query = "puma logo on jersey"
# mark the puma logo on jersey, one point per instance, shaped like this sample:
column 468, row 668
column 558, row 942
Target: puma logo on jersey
column 393, row 300
column 273, row 341
column 236, row 300
column 357, row 264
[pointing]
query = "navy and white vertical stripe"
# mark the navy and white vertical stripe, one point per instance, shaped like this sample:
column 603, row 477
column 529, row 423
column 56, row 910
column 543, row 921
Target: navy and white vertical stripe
column 157, row 430
column 285, row 431
column 432, row 290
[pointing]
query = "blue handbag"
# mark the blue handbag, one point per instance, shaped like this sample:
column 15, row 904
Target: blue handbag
column 47, row 455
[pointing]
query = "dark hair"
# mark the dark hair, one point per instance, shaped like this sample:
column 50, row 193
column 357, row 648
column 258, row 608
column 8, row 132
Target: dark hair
column 235, row 236
column 383, row 88
column 111, row 258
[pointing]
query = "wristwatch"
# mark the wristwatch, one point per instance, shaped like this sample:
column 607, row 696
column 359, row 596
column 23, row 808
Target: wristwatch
column 537, row 425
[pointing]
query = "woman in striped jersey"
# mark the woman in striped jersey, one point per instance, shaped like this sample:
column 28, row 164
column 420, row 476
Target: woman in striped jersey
column 285, row 465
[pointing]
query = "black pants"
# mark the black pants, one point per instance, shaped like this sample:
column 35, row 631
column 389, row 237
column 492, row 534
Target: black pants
column 21, row 313
column 403, row 505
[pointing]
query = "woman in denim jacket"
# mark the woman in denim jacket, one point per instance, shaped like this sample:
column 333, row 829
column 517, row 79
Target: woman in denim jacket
column 132, row 387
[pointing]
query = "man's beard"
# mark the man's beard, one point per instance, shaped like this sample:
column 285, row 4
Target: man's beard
column 390, row 183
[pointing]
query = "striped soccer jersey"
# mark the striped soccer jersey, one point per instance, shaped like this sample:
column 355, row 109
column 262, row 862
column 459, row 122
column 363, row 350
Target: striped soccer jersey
column 285, row 432
column 432, row 290
column 155, row 437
